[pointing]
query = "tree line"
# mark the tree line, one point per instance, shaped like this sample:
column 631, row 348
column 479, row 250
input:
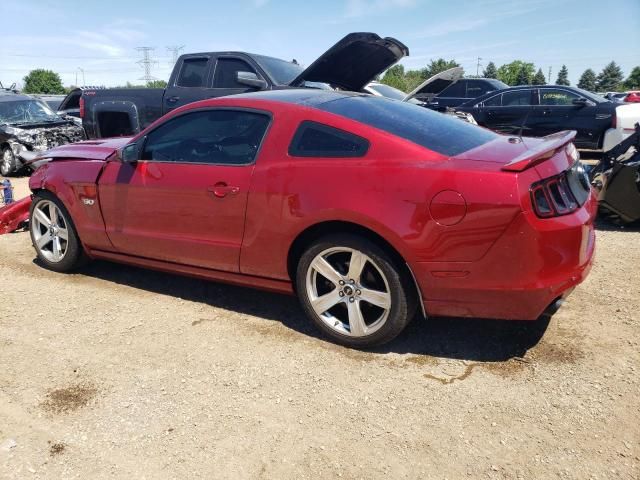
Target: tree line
column 519, row 72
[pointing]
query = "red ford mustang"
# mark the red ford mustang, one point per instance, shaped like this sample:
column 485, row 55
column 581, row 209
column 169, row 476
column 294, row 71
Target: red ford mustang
column 365, row 207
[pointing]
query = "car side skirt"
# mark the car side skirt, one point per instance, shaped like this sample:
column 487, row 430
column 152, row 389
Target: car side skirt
column 261, row 283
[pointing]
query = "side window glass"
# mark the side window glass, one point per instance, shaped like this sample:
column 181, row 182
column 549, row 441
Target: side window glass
column 494, row 101
column 554, row 96
column 516, row 98
column 457, row 90
column 226, row 73
column 476, row 88
column 317, row 140
column 221, row 137
column 193, row 72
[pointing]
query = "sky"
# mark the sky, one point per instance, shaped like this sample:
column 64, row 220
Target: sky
column 100, row 39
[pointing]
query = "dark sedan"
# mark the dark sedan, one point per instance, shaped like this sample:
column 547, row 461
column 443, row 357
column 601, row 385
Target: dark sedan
column 539, row 110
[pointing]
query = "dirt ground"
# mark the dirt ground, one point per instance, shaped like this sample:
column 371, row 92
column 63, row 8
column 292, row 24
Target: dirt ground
column 117, row 372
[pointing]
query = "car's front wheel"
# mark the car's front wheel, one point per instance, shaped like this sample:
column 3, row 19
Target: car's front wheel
column 354, row 291
column 8, row 163
column 53, row 234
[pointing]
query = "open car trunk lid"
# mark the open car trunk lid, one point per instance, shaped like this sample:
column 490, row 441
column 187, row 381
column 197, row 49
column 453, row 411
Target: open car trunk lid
column 433, row 85
column 354, row 61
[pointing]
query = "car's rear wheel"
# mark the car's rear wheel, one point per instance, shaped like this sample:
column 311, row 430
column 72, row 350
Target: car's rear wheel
column 53, row 234
column 353, row 291
column 8, row 163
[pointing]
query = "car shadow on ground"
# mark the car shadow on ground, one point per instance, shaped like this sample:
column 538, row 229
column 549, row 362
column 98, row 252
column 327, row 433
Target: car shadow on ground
column 606, row 225
column 456, row 338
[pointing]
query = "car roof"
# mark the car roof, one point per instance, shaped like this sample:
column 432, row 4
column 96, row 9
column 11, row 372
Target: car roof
column 12, row 97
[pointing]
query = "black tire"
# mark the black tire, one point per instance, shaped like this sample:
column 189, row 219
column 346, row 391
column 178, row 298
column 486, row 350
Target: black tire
column 74, row 256
column 400, row 286
column 8, row 162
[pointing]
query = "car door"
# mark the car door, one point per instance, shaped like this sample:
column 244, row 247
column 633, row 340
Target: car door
column 507, row 112
column 191, row 83
column 184, row 200
column 556, row 112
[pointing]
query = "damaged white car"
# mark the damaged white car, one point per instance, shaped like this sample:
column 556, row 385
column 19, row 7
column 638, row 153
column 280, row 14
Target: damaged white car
column 28, row 126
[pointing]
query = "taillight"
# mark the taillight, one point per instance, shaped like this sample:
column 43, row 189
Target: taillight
column 81, row 107
column 561, row 194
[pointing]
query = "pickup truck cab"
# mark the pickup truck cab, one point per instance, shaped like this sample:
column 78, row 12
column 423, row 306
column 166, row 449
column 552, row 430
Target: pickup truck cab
column 349, row 65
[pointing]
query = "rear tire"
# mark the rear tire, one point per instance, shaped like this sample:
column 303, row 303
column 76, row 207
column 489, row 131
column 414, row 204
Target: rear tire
column 54, row 235
column 353, row 291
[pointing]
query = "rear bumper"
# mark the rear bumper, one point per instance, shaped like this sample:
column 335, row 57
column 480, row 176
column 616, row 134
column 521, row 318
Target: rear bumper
column 534, row 263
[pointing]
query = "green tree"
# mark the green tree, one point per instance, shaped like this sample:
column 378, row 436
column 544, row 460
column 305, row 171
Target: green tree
column 610, row 79
column 539, row 78
column 491, row 71
column 563, row 76
column 524, row 77
column 633, row 80
column 588, row 80
column 394, row 77
column 156, row 84
column 43, row 81
column 510, row 72
column 437, row 66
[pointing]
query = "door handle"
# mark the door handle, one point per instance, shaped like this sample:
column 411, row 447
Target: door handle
column 221, row 190
column 173, row 99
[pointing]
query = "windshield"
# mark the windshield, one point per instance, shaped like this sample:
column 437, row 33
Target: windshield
column 281, row 71
column 26, row 111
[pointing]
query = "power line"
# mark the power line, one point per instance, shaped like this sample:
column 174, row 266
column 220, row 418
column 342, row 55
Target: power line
column 147, row 62
column 175, row 53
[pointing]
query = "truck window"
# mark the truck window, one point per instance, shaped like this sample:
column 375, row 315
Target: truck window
column 193, row 72
column 226, row 73
column 455, row 90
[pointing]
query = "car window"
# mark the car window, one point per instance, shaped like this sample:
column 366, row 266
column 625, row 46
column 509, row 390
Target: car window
column 476, row 88
column 444, row 134
column 516, row 98
column 553, row 96
column 227, row 137
column 494, row 101
column 227, row 70
column 317, row 140
column 457, row 90
column 193, row 72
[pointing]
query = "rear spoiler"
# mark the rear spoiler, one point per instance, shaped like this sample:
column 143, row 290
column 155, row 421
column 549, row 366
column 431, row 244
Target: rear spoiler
column 540, row 152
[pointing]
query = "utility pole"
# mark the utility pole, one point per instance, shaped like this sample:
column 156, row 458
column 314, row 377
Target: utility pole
column 478, row 67
column 175, row 53
column 83, row 81
column 549, row 81
column 146, row 62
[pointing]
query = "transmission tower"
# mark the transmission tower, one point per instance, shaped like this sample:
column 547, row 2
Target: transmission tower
column 146, row 62
column 175, row 53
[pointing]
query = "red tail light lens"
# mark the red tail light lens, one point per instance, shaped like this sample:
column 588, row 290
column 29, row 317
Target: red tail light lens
column 561, row 194
column 81, row 107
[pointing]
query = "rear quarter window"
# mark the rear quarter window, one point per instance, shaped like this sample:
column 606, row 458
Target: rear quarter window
column 314, row 139
column 441, row 133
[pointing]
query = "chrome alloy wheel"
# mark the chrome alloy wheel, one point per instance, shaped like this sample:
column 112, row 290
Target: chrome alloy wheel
column 49, row 230
column 7, row 162
column 348, row 291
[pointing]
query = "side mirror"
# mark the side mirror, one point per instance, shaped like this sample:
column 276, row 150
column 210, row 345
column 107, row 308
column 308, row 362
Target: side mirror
column 129, row 153
column 581, row 102
column 250, row 79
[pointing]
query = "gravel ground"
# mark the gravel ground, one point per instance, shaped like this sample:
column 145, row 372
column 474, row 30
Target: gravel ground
column 125, row 373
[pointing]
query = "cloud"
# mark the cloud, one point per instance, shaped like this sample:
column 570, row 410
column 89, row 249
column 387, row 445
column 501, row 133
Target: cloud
column 259, row 3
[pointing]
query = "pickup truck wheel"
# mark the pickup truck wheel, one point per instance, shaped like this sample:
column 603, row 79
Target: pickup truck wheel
column 53, row 234
column 7, row 162
column 353, row 291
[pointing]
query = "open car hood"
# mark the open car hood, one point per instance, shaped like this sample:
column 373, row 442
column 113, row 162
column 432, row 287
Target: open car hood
column 435, row 84
column 354, row 61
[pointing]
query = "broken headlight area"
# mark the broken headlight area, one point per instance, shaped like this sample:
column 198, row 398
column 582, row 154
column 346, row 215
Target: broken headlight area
column 22, row 140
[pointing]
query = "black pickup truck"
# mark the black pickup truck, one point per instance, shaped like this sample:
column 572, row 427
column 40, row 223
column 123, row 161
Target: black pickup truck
column 349, row 65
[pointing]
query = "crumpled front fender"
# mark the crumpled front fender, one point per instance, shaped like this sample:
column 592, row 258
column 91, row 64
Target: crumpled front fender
column 14, row 215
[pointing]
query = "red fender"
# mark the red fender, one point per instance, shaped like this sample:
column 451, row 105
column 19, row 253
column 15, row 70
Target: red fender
column 12, row 216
